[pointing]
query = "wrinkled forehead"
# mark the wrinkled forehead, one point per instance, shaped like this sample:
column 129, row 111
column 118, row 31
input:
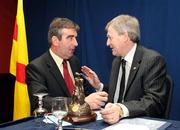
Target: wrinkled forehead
column 111, row 31
column 69, row 31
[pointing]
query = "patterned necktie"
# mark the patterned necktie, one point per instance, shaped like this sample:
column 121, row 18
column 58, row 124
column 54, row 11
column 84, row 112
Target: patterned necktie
column 122, row 85
column 67, row 77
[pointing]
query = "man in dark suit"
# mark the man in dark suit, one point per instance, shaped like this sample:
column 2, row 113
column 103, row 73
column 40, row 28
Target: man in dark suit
column 136, row 86
column 46, row 74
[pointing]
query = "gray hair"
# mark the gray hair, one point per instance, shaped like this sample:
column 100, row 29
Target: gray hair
column 56, row 26
column 127, row 23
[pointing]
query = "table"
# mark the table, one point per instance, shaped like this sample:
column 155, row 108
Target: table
column 33, row 123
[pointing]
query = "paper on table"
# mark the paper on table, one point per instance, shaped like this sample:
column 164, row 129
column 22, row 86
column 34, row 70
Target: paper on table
column 98, row 115
column 127, row 127
column 52, row 119
column 139, row 124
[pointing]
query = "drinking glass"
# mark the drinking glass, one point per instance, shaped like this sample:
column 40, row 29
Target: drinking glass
column 40, row 111
column 59, row 109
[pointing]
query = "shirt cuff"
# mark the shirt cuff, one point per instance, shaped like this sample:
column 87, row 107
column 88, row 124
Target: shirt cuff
column 100, row 86
column 125, row 110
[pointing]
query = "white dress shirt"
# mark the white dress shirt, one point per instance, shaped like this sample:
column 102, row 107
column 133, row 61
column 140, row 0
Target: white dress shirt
column 129, row 59
column 59, row 61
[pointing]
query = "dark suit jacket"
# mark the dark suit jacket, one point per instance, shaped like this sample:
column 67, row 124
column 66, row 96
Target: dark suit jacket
column 43, row 75
column 145, row 90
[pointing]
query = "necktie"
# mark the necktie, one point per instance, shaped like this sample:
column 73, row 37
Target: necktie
column 122, row 85
column 67, row 78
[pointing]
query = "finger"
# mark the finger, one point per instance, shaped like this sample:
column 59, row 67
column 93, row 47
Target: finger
column 111, row 121
column 88, row 74
column 85, row 69
column 101, row 104
column 108, row 106
column 109, row 118
column 103, row 94
column 102, row 99
column 85, row 72
column 95, row 106
column 106, row 112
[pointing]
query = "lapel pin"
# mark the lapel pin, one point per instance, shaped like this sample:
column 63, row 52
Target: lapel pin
column 134, row 68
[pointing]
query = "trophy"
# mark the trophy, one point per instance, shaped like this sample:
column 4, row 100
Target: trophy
column 78, row 110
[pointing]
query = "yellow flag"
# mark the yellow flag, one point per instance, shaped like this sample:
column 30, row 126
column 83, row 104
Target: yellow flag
column 19, row 60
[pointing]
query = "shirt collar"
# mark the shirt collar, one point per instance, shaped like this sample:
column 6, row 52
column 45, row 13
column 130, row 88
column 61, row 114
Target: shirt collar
column 56, row 58
column 130, row 55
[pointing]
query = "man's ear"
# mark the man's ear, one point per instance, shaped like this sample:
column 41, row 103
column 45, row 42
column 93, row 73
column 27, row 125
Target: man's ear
column 54, row 40
column 126, row 36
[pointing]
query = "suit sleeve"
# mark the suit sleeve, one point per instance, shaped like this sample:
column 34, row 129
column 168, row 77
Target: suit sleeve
column 151, row 80
column 36, row 84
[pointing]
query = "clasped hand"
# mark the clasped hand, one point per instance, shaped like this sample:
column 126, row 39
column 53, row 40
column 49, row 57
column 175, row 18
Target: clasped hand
column 97, row 100
column 112, row 113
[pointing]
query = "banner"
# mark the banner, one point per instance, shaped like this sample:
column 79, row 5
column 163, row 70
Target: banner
column 19, row 60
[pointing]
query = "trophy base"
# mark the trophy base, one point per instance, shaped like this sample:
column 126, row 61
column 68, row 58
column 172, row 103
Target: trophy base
column 81, row 119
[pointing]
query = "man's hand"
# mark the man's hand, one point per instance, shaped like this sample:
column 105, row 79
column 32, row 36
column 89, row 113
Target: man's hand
column 91, row 76
column 97, row 99
column 111, row 113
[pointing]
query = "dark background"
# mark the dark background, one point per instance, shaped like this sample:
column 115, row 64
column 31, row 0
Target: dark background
column 160, row 30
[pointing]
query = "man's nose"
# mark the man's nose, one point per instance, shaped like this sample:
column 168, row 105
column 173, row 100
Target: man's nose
column 108, row 43
column 75, row 42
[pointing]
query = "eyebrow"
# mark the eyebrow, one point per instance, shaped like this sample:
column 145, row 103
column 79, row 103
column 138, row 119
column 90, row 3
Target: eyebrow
column 68, row 36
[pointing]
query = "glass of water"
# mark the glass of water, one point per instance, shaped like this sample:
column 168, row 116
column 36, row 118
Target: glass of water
column 59, row 109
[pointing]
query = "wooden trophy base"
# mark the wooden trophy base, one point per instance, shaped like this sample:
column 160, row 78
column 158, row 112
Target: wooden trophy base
column 81, row 119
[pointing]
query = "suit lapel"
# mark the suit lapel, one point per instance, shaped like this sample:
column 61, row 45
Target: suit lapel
column 74, row 66
column 134, row 67
column 56, row 73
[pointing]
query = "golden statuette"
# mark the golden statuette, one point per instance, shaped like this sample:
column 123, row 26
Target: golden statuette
column 78, row 110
